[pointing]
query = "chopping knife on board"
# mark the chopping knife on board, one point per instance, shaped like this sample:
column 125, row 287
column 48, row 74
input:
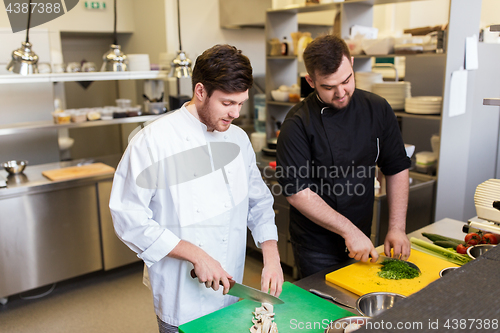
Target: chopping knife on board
column 242, row 291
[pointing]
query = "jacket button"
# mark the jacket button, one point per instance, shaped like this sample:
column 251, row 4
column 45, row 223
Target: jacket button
column 187, row 138
column 225, row 136
column 197, row 210
column 200, row 244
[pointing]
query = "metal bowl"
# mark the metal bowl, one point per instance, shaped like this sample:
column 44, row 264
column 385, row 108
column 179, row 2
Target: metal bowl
column 343, row 325
column 15, row 167
column 477, row 250
column 372, row 304
column 446, row 270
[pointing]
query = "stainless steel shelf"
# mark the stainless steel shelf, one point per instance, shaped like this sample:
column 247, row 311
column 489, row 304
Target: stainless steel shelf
column 90, row 76
column 491, row 101
column 19, row 128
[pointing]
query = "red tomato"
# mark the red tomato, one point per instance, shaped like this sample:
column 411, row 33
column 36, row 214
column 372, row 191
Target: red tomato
column 462, row 249
column 489, row 239
column 472, row 238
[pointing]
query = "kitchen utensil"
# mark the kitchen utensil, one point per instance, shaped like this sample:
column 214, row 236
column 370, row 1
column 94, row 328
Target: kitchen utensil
column 446, row 270
column 75, row 172
column 147, row 98
column 242, row 291
column 330, row 297
column 362, row 278
column 477, row 250
column 347, row 324
column 15, row 167
column 300, row 307
column 375, row 303
column 382, row 259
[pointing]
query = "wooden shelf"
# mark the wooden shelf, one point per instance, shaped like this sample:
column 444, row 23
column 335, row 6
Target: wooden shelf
column 20, row 128
column 90, row 76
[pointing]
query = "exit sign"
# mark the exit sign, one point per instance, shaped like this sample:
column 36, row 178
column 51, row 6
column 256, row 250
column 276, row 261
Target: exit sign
column 95, row 5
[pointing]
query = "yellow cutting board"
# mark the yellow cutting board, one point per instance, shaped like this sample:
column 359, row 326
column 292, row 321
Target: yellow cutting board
column 75, row 172
column 362, row 278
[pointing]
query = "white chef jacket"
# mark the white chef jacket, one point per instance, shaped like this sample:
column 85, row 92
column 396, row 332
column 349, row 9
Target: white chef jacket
column 177, row 181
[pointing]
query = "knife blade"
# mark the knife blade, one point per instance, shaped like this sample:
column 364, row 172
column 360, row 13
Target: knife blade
column 382, row 258
column 246, row 292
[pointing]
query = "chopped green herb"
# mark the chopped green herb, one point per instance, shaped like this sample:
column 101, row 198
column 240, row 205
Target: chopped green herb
column 397, row 270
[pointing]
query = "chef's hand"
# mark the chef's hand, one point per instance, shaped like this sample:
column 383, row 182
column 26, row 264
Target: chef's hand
column 272, row 273
column 397, row 240
column 209, row 271
column 360, row 247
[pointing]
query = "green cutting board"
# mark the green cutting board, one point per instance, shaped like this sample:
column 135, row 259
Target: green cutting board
column 302, row 312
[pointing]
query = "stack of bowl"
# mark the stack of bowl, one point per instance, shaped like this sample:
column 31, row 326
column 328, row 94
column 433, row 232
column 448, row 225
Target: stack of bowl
column 365, row 80
column 424, row 104
column 394, row 92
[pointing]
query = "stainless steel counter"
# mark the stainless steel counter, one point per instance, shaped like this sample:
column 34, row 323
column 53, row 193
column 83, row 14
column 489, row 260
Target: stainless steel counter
column 448, row 227
column 32, row 180
column 52, row 231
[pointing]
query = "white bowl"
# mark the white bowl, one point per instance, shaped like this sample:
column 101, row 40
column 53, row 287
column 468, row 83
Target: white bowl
column 280, row 96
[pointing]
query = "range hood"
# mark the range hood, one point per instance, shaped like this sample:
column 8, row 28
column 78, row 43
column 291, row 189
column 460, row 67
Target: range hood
column 241, row 14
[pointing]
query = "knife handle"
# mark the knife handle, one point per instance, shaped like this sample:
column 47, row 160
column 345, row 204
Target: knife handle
column 231, row 281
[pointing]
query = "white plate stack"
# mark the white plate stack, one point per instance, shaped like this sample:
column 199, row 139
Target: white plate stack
column 394, row 92
column 424, row 104
column 365, row 80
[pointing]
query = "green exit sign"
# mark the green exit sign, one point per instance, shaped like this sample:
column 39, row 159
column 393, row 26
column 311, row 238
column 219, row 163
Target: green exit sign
column 95, row 5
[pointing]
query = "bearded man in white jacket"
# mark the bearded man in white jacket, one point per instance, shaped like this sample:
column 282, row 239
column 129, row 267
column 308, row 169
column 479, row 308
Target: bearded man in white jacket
column 186, row 190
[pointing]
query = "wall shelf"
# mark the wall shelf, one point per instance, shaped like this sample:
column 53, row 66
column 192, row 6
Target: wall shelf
column 419, row 116
column 491, row 101
column 20, row 128
column 427, row 54
column 281, row 103
column 90, row 76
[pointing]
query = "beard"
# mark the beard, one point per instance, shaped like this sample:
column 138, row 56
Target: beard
column 208, row 119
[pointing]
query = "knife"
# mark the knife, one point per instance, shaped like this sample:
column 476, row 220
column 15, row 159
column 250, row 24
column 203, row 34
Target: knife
column 242, row 291
column 382, row 259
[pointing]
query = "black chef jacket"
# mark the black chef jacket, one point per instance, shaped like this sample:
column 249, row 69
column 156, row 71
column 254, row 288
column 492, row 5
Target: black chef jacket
column 333, row 152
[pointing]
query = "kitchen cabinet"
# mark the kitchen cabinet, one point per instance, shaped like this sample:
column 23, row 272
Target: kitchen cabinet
column 48, row 236
column 56, row 230
column 469, row 145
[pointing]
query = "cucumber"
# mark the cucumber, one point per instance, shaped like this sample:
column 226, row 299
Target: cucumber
column 447, row 244
column 436, row 237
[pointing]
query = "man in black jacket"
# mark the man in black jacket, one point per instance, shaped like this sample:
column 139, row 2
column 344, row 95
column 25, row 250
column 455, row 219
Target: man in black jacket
column 328, row 150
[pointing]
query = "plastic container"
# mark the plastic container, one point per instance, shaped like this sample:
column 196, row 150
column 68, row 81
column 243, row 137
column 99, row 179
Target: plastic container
column 124, row 103
column 425, row 162
column 154, row 108
column 259, row 102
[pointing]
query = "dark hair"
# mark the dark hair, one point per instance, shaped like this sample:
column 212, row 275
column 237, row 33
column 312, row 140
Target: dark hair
column 223, row 67
column 324, row 55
